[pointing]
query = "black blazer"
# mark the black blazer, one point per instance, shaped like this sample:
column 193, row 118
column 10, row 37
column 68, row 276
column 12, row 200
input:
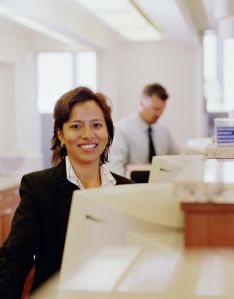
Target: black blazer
column 38, row 229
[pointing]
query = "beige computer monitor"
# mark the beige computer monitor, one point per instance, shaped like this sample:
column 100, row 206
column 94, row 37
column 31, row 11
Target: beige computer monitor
column 165, row 168
column 118, row 216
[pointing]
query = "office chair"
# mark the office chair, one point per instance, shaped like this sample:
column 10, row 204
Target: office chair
column 139, row 173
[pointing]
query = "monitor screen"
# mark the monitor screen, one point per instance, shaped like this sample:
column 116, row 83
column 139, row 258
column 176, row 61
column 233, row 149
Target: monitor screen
column 114, row 222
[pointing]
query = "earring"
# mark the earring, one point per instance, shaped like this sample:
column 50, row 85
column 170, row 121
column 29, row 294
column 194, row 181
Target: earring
column 62, row 145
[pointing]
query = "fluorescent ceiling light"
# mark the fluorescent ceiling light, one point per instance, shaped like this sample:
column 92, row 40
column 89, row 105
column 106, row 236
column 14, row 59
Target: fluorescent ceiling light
column 35, row 26
column 124, row 17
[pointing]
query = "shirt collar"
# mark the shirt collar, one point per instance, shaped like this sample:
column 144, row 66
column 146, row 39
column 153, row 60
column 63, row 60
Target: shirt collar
column 144, row 124
column 141, row 122
column 107, row 178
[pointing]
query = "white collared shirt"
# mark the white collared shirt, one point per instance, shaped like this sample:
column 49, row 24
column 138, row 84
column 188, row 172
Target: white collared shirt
column 130, row 144
column 107, row 178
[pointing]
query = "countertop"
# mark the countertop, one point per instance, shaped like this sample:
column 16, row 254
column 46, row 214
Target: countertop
column 7, row 182
column 210, row 180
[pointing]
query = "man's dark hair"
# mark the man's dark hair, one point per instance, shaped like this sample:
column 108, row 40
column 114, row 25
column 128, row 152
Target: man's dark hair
column 156, row 89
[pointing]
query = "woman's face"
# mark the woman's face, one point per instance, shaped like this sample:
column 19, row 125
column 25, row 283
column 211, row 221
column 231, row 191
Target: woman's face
column 85, row 133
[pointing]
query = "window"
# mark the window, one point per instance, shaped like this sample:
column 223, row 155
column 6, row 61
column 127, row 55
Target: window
column 86, row 69
column 212, row 91
column 228, row 74
column 218, row 73
column 60, row 72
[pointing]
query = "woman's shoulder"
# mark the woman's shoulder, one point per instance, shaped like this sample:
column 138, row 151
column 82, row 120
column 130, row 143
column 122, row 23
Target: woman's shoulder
column 40, row 173
column 121, row 180
column 47, row 174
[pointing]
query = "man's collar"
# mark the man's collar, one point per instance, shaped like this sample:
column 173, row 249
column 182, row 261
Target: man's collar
column 142, row 122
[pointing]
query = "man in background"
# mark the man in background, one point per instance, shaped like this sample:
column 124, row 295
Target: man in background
column 140, row 136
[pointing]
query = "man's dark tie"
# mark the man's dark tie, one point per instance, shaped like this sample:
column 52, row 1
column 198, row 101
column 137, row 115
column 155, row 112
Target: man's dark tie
column 151, row 145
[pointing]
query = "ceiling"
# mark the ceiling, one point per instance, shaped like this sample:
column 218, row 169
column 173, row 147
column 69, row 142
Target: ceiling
column 180, row 20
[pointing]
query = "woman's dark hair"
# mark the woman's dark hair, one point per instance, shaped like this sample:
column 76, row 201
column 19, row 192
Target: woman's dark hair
column 62, row 112
column 156, row 89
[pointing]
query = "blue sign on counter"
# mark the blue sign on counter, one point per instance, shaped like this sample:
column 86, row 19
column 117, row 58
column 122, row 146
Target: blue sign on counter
column 225, row 135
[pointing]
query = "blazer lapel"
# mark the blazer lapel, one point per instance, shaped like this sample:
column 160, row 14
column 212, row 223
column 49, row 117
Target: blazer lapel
column 64, row 187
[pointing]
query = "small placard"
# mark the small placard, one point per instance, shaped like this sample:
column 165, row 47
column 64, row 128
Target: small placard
column 225, row 135
column 224, row 131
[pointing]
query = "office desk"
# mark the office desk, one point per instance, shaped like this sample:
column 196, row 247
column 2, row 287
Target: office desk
column 205, row 181
column 206, row 190
column 9, row 200
column 196, row 146
column 157, row 267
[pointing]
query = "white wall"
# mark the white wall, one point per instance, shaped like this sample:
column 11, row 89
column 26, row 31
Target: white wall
column 108, row 74
column 27, row 115
column 20, row 125
column 123, row 69
column 7, row 104
column 176, row 67
column 15, row 41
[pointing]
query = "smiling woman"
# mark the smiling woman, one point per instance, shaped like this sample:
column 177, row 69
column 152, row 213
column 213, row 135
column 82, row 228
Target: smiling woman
column 83, row 130
column 83, row 133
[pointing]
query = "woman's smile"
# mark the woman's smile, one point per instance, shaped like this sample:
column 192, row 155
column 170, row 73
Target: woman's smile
column 88, row 147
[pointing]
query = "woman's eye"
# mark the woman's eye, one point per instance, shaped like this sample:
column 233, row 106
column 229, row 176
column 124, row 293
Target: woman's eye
column 97, row 125
column 76, row 126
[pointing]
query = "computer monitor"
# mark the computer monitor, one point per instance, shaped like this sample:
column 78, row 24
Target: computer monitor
column 166, row 168
column 117, row 221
